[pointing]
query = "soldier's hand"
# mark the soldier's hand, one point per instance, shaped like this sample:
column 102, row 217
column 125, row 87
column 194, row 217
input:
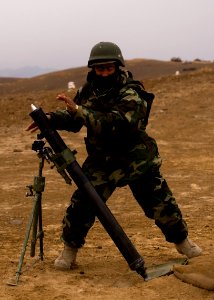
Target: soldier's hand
column 70, row 104
column 32, row 127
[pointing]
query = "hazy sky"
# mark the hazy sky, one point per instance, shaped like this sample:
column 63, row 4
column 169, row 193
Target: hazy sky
column 59, row 34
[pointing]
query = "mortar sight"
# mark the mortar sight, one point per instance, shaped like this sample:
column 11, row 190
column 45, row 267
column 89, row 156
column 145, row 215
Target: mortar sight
column 38, row 144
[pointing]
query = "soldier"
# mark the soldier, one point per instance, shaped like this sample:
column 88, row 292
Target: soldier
column 120, row 153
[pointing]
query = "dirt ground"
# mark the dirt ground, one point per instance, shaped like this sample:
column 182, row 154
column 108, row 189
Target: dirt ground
column 183, row 124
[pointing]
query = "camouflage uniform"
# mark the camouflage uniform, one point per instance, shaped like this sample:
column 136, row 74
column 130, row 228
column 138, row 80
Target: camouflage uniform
column 119, row 153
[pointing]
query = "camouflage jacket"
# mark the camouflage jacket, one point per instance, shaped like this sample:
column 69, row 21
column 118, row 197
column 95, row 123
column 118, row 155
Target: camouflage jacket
column 114, row 121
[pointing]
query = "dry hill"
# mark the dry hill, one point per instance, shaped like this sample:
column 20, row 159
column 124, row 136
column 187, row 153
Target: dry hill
column 141, row 68
column 182, row 123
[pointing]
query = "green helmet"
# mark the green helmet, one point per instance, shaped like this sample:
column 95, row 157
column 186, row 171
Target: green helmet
column 104, row 52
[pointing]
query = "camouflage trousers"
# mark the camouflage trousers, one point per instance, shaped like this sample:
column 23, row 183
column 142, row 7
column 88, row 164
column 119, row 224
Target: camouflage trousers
column 149, row 189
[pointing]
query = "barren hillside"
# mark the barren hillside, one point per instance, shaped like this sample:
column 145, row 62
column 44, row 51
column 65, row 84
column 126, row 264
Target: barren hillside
column 141, row 68
column 182, row 123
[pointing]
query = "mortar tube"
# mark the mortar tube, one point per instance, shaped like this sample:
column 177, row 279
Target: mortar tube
column 107, row 219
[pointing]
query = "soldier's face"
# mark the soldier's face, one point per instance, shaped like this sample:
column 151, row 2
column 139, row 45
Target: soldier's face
column 105, row 69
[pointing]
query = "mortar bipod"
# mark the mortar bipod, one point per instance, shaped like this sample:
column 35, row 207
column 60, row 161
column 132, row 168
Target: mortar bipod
column 35, row 220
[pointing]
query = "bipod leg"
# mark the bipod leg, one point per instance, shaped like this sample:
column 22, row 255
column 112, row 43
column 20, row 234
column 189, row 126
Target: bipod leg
column 34, row 220
column 27, row 235
column 41, row 232
column 39, row 185
column 37, row 230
